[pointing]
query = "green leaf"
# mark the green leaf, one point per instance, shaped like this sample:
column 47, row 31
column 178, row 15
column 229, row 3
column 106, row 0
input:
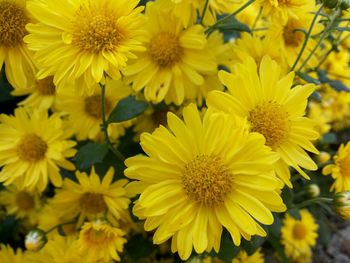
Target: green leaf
column 234, row 25
column 275, row 243
column 342, row 29
column 127, row 109
column 339, row 86
column 5, row 92
column 329, row 138
column 138, row 247
column 90, row 154
column 227, row 249
column 251, row 246
column 294, row 212
column 308, row 78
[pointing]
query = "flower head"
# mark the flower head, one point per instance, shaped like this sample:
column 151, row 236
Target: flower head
column 341, row 204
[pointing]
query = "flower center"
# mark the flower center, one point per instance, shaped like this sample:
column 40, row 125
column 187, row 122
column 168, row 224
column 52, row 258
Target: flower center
column 12, row 24
column 46, row 86
column 25, row 201
column 31, row 148
column 271, row 120
column 292, row 37
column 165, row 49
column 299, row 231
column 206, row 180
column 92, row 106
column 92, row 203
column 96, row 30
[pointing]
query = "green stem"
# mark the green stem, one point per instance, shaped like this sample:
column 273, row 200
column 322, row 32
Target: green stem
column 54, row 227
column 204, row 11
column 312, row 201
column 257, row 18
column 104, row 125
column 307, row 37
column 322, row 37
column 224, row 19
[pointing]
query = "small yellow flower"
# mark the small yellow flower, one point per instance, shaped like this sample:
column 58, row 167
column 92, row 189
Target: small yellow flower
column 243, row 257
column 9, row 255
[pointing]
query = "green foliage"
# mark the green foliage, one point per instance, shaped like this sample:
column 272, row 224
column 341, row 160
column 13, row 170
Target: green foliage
column 127, row 109
column 90, row 154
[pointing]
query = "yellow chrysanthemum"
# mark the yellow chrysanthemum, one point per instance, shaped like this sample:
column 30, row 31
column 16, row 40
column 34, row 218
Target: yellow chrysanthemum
column 322, row 119
column 201, row 175
column 32, row 148
column 92, row 198
column 84, row 111
column 284, row 9
column 340, row 170
column 41, row 95
column 21, row 203
column 80, row 41
column 8, row 255
column 273, row 109
column 19, row 67
column 242, row 257
column 299, row 236
column 100, row 242
column 175, row 62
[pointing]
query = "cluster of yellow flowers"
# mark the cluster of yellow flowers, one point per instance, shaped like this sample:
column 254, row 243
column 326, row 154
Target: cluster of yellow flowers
column 229, row 121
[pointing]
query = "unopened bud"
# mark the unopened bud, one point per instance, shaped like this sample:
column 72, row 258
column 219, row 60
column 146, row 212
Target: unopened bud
column 323, row 157
column 330, row 3
column 345, row 4
column 35, row 240
column 341, row 204
column 313, row 190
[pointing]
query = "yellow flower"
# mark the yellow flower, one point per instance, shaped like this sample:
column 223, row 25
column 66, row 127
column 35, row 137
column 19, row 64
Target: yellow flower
column 283, row 10
column 201, row 175
column 92, row 198
column 175, row 61
column 19, row 66
column 41, row 94
column 84, row 111
column 32, row 148
column 242, row 257
column 299, row 236
column 272, row 109
column 99, row 241
column 322, row 119
column 80, row 41
column 21, row 203
column 8, row 255
column 340, row 170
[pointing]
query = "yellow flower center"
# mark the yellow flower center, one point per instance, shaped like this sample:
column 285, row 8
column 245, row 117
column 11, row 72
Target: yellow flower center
column 25, row 201
column 92, row 203
column 46, row 87
column 206, row 180
column 271, row 120
column 96, row 30
column 12, row 24
column 299, row 231
column 292, row 37
column 31, row 148
column 93, row 107
column 344, row 165
column 165, row 49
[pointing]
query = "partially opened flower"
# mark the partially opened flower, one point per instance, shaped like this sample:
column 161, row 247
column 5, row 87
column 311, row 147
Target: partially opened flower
column 202, row 175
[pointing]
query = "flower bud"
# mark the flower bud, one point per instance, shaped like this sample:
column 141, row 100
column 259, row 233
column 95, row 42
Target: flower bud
column 313, row 190
column 341, row 204
column 35, row 239
column 323, row 157
column 345, row 4
column 330, row 3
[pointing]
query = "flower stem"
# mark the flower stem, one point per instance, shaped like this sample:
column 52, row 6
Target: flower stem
column 312, row 201
column 204, row 11
column 105, row 124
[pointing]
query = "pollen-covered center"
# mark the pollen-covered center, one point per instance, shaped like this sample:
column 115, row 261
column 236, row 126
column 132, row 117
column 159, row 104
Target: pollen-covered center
column 165, row 49
column 292, row 37
column 271, row 120
column 93, row 107
column 92, row 203
column 299, row 231
column 46, row 87
column 12, row 24
column 25, row 201
column 207, row 180
column 96, row 30
column 31, row 148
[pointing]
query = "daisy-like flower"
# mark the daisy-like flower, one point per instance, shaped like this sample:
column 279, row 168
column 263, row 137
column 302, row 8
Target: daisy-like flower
column 23, row 204
column 9, row 255
column 19, row 66
column 340, row 169
column 92, row 198
column 80, row 41
column 84, row 111
column 299, row 236
column 272, row 109
column 203, row 175
column 175, row 61
column 242, row 257
column 282, row 10
column 32, row 148
column 41, row 95
column 100, row 241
